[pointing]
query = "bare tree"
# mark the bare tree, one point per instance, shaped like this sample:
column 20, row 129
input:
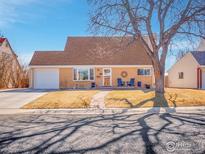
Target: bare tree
column 19, row 75
column 22, row 76
column 12, row 74
column 181, row 54
column 170, row 20
column 5, row 70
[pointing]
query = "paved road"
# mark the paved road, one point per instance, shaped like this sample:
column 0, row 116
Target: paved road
column 117, row 133
column 18, row 97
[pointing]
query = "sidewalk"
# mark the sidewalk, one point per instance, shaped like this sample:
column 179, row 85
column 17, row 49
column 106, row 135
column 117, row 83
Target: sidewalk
column 98, row 100
column 104, row 111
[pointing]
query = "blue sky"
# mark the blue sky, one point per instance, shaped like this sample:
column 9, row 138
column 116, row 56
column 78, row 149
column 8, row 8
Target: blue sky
column 44, row 24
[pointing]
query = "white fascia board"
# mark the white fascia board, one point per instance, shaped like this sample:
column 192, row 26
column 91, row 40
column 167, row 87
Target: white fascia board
column 86, row 66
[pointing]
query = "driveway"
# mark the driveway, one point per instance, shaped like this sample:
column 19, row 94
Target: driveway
column 18, row 97
column 182, row 133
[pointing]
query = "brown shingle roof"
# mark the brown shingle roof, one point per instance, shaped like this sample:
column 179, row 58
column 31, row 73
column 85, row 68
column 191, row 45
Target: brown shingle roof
column 95, row 51
column 49, row 58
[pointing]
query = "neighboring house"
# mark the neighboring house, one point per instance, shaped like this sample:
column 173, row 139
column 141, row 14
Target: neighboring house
column 9, row 65
column 189, row 71
column 92, row 61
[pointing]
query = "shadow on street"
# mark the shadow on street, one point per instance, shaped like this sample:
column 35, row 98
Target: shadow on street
column 117, row 133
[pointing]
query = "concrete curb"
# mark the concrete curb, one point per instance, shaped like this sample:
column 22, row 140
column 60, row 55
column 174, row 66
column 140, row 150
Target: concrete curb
column 94, row 111
column 11, row 89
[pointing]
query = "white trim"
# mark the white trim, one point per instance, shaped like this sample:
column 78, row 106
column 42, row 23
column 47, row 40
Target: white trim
column 108, row 76
column 88, row 73
column 84, row 66
column 202, row 66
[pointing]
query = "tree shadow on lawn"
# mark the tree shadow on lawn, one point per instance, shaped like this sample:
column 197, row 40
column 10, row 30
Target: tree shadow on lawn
column 158, row 102
column 125, row 133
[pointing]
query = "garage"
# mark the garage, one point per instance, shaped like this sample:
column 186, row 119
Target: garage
column 203, row 80
column 46, row 79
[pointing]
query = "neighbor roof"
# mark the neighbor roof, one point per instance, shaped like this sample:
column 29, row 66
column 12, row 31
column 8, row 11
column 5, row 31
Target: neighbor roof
column 199, row 56
column 95, row 51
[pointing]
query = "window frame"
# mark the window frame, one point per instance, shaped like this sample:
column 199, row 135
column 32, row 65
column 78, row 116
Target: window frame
column 150, row 70
column 77, row 72
column 179, row 75
column 107, row 75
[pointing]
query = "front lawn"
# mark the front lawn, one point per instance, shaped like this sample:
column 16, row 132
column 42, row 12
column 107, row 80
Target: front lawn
column 139, row 98
column 62, row 99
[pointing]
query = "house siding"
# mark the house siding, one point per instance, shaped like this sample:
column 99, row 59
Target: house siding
column 188, row 66
column 66, row 77
column 131, row 73
column 31, row 78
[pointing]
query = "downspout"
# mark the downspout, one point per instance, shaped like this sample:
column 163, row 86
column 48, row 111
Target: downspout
column 199, row 78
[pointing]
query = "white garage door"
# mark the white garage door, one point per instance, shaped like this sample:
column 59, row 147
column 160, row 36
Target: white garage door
column 46, row 79
column 203, row 80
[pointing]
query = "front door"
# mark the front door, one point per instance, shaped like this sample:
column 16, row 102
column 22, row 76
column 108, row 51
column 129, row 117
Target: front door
column 107, row 77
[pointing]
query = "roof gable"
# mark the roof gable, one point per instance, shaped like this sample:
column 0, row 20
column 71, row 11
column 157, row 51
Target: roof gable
column 6, row 47
column 188, row 56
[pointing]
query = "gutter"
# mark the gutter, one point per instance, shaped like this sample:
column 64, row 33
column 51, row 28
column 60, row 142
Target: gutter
column 85, row 66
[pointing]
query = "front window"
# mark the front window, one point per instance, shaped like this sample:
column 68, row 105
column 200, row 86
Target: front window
column 83, row 74
column 144, row 72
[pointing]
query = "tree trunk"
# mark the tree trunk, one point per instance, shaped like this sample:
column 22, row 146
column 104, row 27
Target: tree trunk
column 159, row 81
column 160, row 100
column 159, row 71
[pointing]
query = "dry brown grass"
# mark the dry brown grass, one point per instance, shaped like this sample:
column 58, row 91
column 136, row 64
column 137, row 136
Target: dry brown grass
column 139, row 98
column 62, row 99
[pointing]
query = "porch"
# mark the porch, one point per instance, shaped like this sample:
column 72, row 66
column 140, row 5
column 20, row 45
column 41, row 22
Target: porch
column 111, row 78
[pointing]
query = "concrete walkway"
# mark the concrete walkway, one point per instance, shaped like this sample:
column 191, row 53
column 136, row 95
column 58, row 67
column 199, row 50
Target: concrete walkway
column 98, row 100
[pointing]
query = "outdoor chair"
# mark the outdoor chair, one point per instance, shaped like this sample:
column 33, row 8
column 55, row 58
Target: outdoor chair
column 120, row 82
column 131, row 83
column 139, row 84
column 93, row 85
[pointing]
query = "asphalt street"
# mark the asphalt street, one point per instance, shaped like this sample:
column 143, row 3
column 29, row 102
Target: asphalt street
column 117, row 133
